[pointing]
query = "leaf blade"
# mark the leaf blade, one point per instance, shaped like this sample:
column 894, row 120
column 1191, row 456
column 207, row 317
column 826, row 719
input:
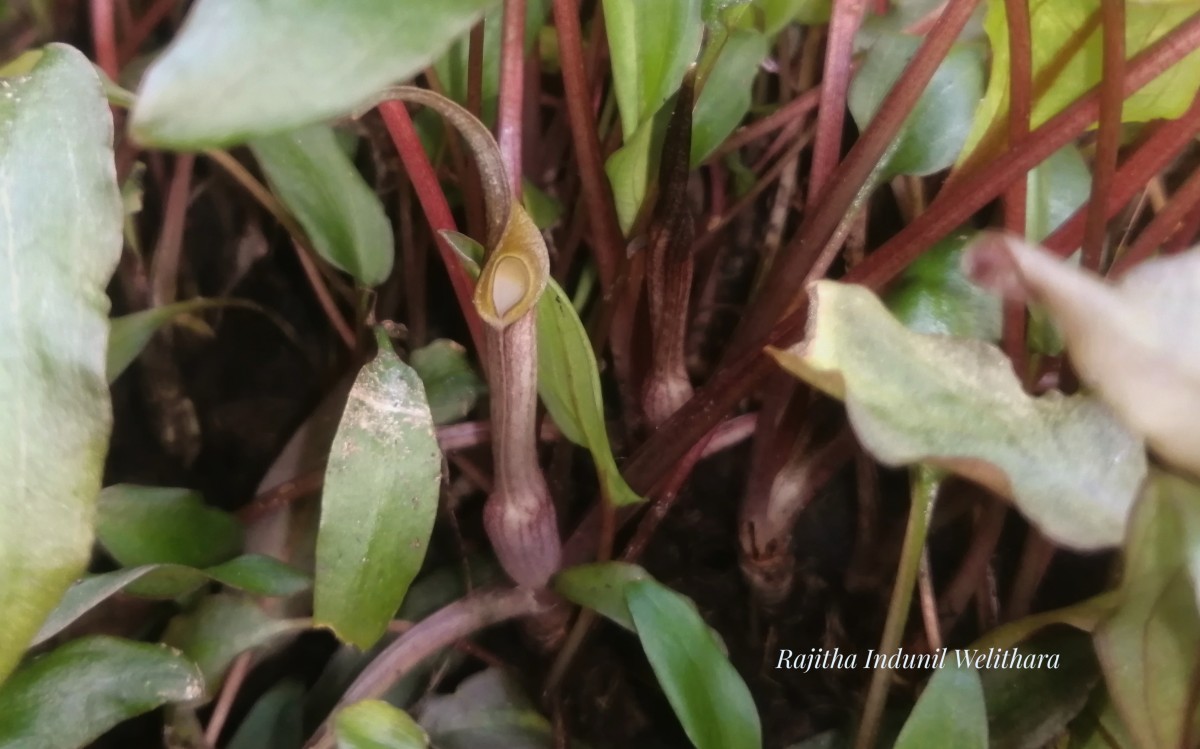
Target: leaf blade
column 1067, row 463
column 60, row 238
column 96, row 682
column 949, row 715
column 380, row 499
column 340, row 213
column 312, row 61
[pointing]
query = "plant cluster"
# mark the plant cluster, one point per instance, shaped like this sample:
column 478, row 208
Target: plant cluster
column 889, row 302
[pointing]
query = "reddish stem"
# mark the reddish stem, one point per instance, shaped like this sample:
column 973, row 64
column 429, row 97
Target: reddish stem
column 1150, row 158
column 831, row 117
column 151, row 18
column 779, row 292
column 104, row 37
column 511, row 108
column 164, row 265
column 741, row 374
column 1160, row 229
column 1186, row 235
column 609, row 244
column 794, row 111
column 437, row 210
column 1108, row 141
column 475, row 70
column 1020, row 53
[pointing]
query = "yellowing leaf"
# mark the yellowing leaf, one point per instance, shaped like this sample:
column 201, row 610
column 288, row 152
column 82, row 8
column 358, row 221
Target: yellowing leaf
column 1067, row 62
column 1133, row 341
column 1066, row 462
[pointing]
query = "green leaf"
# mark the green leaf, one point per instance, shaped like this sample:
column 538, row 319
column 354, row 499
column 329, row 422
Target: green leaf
column 451, row 384
column 1056, row 188
column 238, row 70
column 544, row 209
column 568, row 378
column 1066, row 462
column 372, row 724
column 487, row 710
column 1131, row 341
column 340, row 213
column 1148, row 647
column 220, row 629
column 630, row 168
column 935, row 131
column 140, row 525
column 950, row 714
column 257, row 575
column 779, row 13
column 379, row 503
column 934, row 296
column 72, row 695
column 569, row 384
column 706, row 692
column 61, row 239
column 601, row 587
column 725, row 98
column 130, row 333
column 1072, row 67
column 1028, row 708
column 275, row 721
column 651, row 44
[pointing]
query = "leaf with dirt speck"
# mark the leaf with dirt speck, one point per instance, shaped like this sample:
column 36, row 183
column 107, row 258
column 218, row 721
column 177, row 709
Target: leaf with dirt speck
column 381, row 495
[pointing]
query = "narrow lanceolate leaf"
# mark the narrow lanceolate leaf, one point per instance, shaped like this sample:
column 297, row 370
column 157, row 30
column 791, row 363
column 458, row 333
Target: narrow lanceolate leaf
column 1066, row 462
column 725, row 99
column 569, row 384
column 151, row 525
column 69, row 697
column 220, row 629
column 256, row 575
column 1132, row 341
column 934, row 134
column 601, row 587
column 568, row 378
column 341, row 214
column 239, row 70
column 380, row 499
column 60, row 238
column 373, row 724
column 1148, row 647
column 652, row 45
column 950, row 714
column 707, row 694
column 130, row 333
